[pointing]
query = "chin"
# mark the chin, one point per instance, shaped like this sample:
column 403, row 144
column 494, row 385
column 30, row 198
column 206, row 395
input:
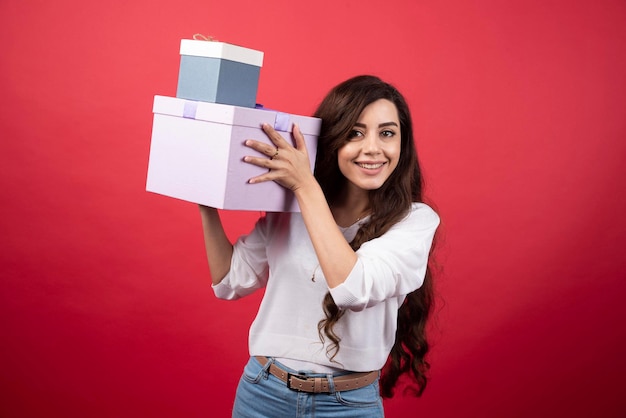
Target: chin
column 371, row 186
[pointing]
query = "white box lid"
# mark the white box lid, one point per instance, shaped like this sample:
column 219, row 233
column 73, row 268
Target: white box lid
column 234, row 115
column 212, row 49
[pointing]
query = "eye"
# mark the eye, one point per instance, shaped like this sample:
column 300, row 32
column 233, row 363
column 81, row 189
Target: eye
column 355, row 134
column 387, row 133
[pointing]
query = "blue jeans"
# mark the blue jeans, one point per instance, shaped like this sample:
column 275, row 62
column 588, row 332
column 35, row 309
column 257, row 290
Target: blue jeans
column 261, row 394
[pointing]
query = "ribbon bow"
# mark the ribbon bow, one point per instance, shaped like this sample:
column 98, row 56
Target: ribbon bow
column 201, row 37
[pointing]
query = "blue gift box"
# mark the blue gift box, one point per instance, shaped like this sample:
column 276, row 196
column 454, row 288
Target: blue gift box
column 218, row 72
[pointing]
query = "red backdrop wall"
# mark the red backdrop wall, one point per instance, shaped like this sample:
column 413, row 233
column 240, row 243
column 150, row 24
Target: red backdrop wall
column 105, row 302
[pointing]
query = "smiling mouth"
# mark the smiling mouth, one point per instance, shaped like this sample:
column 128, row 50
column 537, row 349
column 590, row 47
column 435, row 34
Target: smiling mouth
column 370, row 166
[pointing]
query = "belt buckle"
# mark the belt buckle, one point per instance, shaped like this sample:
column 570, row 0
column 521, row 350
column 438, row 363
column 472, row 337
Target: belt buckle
column 299, row 376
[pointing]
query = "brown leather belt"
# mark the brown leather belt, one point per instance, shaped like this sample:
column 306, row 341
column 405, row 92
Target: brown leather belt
column 320, row 384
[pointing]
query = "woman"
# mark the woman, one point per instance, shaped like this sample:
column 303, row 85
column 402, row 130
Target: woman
column 347, row 284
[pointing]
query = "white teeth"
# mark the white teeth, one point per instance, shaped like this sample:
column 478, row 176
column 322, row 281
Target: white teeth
column 370, row 166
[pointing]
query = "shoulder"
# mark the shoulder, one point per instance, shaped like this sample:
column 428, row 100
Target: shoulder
column 421, row 222
column 421, row 215
column 415, row 229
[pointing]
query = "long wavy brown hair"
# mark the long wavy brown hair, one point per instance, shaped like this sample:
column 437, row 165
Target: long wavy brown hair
column 339, row 111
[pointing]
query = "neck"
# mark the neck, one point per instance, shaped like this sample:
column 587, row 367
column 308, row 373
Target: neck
column 350, row 208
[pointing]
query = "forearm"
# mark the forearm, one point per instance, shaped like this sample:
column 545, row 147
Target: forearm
column 219, row 249
column 290, row 167
column 335, row 255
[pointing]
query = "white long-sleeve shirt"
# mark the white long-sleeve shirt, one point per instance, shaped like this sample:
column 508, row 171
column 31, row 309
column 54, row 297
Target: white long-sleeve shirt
column 278, row 255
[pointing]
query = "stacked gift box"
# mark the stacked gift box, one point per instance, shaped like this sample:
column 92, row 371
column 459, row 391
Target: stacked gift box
column 196, row 150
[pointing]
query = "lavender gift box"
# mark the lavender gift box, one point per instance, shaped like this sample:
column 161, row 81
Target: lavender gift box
column 218, row 72
column 196, row 154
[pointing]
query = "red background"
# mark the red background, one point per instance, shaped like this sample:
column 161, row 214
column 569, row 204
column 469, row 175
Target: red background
column 106, row 307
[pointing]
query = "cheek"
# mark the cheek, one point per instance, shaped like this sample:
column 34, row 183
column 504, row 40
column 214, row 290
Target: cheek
column 341, row 162
column 344, row 167
column 345, row 155
column 394, row 155
column 347, row 150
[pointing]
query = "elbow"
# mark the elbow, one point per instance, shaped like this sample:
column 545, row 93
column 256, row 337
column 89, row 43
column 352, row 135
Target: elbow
column 348, row 301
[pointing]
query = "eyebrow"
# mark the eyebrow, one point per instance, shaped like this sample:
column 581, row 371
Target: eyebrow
column 382, row 125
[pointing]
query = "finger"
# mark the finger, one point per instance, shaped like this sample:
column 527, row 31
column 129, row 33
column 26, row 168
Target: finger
column 270, row 175
column 262, row 147
column 274, row 136
column 299, row 139
column 259, row 162
column 260, row 179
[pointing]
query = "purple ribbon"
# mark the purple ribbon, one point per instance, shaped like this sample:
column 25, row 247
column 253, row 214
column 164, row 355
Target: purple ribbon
column 189, row 111
column 282, row 122
column 282, row 119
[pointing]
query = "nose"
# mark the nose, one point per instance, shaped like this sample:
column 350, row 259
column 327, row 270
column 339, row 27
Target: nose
column 371, row 144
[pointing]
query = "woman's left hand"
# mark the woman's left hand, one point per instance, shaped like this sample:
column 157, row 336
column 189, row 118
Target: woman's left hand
column 287, row 165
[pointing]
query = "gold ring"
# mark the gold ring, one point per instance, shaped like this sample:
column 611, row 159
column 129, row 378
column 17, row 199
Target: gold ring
column 275, row 154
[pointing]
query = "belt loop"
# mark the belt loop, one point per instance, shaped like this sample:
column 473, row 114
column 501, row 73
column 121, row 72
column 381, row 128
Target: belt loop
column 266, row 368
column 331, row 383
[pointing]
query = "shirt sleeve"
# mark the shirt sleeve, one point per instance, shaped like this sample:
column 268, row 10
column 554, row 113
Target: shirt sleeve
column 391, row 265
column 248, row 267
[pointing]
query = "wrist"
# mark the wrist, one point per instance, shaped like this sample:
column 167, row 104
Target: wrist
column 310, row 186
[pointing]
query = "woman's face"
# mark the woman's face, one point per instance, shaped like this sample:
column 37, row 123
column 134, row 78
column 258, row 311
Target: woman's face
column 373, row 148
